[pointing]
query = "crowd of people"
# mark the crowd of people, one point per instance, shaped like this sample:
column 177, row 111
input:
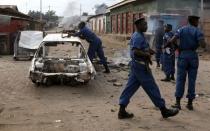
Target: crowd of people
column 190, row 38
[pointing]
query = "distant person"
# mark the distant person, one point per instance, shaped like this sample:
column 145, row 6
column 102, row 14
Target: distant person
column 190, row 39
column 95, row 44
column 159, row 33
column 141, row 75
column 168, row 56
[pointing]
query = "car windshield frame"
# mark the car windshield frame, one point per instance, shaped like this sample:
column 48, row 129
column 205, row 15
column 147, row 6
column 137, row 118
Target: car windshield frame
column 41, row 52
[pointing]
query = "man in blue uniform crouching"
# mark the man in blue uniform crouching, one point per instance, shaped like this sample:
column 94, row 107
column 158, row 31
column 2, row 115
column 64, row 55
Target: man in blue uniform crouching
column 95, row 44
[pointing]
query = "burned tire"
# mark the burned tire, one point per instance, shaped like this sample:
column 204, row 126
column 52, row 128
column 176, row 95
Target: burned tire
column 86, row 82
column 47, row 82
column 33, row 81
column 15, row 58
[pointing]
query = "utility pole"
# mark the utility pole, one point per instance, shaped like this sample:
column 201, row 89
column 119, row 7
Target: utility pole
column 80, row 9
column 49, row 7
column 40, row 10
column 26, row 8
column 202, row 14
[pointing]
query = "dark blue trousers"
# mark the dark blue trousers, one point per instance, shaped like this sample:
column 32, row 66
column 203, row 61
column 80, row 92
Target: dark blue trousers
column 94, row 49
column 139, row 76
column 186, row 66
column 168, row 62
column 158, row 55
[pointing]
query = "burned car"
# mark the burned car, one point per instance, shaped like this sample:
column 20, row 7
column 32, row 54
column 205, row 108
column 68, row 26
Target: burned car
column 61, row 58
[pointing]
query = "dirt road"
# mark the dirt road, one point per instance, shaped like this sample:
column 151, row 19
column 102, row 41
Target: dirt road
column 93, row 107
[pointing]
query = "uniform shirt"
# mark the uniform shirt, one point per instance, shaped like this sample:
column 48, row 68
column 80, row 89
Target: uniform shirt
column 189, row 41
column 189, row 37
column 88, row 35
column 167, row 36
column 138, row 41
column 159, row 33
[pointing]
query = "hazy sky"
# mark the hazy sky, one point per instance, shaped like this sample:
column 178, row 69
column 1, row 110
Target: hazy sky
column 58, row 5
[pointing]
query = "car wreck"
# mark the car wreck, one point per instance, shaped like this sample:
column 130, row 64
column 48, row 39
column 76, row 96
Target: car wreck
column 61, row 58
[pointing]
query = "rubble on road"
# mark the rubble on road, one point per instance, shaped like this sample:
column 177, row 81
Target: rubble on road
column 1, row 110
column 112, row 80
column 117, row 84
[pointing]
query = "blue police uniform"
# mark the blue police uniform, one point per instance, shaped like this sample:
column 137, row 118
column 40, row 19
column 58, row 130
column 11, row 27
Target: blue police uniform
column 139, row 75
column 95, row 44
column 188, row 61
column 168, row 57
column 159, row 33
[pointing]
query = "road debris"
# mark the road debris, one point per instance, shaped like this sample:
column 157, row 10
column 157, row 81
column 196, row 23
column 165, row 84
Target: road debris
column 112, row 80
column 117, row 84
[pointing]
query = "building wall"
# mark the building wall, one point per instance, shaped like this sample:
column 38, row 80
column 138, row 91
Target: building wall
column 7, row 41
column 122, row 18
column 98, row 24
column 185, row 7
column 14, row 26
column 206, row 26
column 108, row 23
column 4, row 43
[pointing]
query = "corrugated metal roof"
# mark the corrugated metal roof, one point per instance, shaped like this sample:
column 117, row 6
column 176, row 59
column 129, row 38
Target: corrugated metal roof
column 14, row 7
column 5, row 10
column 124, row 2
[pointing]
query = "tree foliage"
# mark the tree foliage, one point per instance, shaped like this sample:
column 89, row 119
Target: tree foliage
column 49, row 16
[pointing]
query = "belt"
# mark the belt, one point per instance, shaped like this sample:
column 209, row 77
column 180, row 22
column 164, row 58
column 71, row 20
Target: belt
column 145, row 64
column 187, row 50
column 140, row 62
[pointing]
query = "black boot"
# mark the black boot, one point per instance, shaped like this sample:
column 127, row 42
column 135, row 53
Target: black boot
column 168, row 112
column 172, row 77
column 123, row 114
column 177, row 104
column 167, row 79
column 106, row 68
column 190, row 105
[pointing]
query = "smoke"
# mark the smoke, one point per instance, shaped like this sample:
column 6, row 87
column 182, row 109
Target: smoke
column 71, row 9
column 71, row 19
column 71, row 22
column 100, row 9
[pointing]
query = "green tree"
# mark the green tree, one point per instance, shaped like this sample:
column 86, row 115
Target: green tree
column 49, row 16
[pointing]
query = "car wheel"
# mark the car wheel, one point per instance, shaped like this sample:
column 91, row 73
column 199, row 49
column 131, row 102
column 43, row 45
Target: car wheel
column 34, row 81
column 47, row 82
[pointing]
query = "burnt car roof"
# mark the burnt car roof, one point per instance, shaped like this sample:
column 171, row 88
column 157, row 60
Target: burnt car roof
column 59, row 38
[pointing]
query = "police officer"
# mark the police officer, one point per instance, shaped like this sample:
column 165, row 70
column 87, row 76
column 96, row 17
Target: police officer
column 168, row 59
column 190, row 39
column 95, row 44
column 141, row 75
column 159, row 33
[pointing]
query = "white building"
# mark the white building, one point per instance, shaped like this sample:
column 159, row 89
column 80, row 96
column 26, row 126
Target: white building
column 98, row 23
